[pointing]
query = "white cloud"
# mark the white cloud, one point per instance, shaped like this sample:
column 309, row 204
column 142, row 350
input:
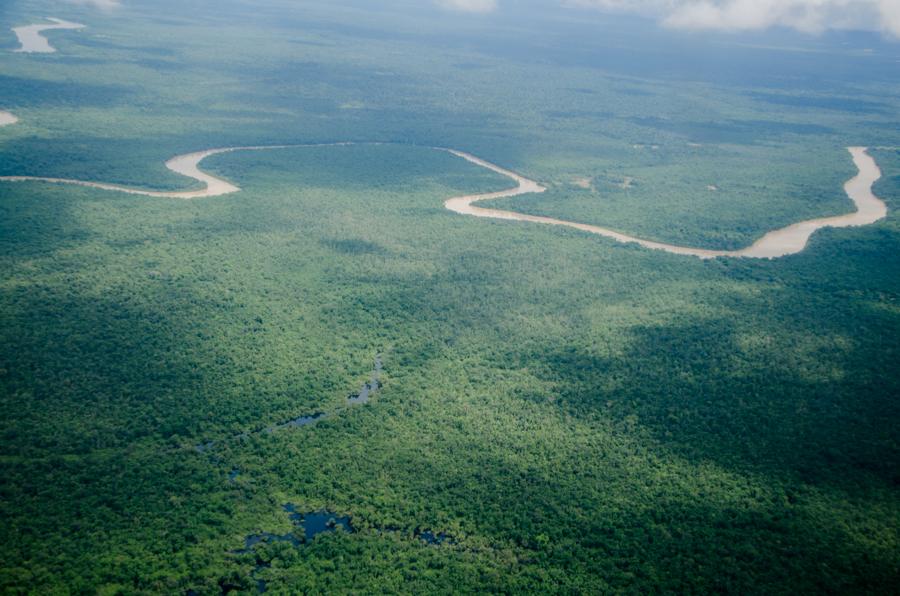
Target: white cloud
column 890, row 13
column 748, row 15
column 481, row 6
column 634, row 6
column 104, row 4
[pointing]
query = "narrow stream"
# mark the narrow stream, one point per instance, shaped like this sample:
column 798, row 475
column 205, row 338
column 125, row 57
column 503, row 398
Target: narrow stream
column 368, row 389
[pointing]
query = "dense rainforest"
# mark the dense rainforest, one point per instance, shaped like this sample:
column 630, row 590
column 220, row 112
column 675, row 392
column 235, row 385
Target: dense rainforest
column 551, row 411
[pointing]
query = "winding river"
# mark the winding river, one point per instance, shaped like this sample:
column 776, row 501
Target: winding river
column 33, row 42
column 777, row 243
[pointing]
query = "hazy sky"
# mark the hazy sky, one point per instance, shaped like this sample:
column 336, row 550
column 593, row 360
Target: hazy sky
column 735, row 15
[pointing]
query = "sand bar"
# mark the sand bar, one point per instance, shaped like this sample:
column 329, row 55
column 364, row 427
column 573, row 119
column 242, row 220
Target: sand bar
column 7, row 118
column 33, row 42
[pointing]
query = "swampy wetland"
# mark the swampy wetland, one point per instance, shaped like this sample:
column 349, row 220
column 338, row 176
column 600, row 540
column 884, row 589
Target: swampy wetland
column 327, row 381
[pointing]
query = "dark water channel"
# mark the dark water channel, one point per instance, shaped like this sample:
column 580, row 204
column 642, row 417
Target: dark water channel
column 297, row 422
column 368, row 389
column 307, row 525
column 436, row 539
column 312, row 523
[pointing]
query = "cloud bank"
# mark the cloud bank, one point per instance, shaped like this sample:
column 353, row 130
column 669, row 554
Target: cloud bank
column 478, row 6
column 103, row 4
column 810, row 16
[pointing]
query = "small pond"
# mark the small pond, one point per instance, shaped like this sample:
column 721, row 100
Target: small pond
column 312, row 523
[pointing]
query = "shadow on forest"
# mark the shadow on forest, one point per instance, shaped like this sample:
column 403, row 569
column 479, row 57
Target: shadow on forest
column 23, row 92
column 84, row 372
column 732, row 131
column 636, row 521
column 693, row 386
column 852, row 105
column 32, row 227
column 127, row 161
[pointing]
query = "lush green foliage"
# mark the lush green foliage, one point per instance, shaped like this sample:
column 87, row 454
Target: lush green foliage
column 579, row 415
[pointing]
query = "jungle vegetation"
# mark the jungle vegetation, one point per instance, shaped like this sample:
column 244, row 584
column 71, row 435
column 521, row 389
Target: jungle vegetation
column 576, row 415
